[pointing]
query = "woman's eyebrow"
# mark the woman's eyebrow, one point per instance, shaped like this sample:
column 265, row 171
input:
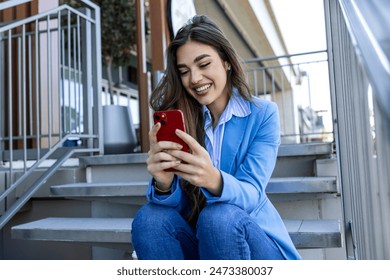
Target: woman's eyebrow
column 198, row 58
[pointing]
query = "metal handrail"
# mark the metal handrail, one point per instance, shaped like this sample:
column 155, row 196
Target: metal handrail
column 268, row 58
column 58, row 88
column 36, row 185
column 43, row 15
column 362, row 126
column 26, row 175
column 12, row 3
column 366, row 21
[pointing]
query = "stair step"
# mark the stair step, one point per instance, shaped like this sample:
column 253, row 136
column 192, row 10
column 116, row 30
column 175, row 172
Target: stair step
column 119, row 159
column 306, row 149
column 285, row 150
column 304, row 233
column 89, row 230
column 292, row 185
column 100, row 189
column 297, row 185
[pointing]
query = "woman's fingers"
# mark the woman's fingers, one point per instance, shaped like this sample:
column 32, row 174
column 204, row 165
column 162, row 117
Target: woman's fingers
column 198, row 152
column 161, row 156
column 153, row 133
column 191, row 142
column 160, row 159
column 161, row 166
column 163, row 146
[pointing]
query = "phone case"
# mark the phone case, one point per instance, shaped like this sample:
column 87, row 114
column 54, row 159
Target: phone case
column 170, row 121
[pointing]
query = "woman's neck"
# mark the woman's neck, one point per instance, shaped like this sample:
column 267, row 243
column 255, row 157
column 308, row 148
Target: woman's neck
column 216, row 111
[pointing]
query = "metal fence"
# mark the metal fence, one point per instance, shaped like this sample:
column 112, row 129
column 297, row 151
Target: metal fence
column 299, row 84
column 49, row 92
column 357, row 36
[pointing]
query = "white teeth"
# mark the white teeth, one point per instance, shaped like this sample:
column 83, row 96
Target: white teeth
column 202, row 88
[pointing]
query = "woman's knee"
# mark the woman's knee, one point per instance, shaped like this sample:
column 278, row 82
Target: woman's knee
column 219, row 217
column 151, row 217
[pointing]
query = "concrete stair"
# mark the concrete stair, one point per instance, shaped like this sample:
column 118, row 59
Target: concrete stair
column 285, row 185
column 303, row 187
column 117, row 231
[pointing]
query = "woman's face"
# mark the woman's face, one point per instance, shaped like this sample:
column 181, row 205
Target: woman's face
column 203, row 74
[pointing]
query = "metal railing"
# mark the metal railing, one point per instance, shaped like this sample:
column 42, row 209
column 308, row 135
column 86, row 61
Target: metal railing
column 357, row 36
column 49, row 94
column 124, row 96
column 299, row 84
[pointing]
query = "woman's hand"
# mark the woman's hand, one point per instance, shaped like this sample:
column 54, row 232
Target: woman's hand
column 197, row 168
column 159, row 159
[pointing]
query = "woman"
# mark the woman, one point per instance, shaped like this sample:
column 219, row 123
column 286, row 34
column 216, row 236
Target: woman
column 214, row 205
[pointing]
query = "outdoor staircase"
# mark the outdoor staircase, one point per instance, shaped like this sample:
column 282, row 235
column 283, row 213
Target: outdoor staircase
column 303, row 187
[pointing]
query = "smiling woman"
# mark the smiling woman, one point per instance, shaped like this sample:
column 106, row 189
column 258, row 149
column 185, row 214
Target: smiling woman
column 203, row 75
column 213, row 205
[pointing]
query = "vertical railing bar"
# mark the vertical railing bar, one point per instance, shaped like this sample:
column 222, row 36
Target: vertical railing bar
column 60, row 82
column 37, row 91
column 283, row 100
column 49, row 89
column 74, row 78
column 273, row 84
column 69, row 75
column 24, row 107
column 264, row 84
column 79, row 77
column 255, row 82
column 2, row 89
column 10, row 111
column 19, row 85
column 87, row 77
column 292, row 105
column 30, row 89
column 63, row 80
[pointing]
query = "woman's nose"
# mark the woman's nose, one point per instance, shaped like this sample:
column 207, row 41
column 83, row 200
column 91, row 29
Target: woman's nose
column 196, row 77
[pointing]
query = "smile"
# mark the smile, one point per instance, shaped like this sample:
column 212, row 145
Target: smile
column 203, row 88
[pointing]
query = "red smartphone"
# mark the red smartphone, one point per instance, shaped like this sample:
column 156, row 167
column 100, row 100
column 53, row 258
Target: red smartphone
column 170, row 121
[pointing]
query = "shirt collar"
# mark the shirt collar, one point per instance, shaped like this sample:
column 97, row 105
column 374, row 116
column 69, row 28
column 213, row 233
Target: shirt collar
column 237, row 106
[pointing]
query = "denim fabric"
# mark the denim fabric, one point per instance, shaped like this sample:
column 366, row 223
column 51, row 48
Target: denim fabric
column 224, row 231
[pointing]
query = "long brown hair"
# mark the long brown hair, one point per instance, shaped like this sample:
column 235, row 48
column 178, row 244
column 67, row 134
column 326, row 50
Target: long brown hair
column 170, row 93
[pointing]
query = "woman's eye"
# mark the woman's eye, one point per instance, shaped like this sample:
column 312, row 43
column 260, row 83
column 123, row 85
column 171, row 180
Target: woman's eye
column 182, row 73
column 204, row 65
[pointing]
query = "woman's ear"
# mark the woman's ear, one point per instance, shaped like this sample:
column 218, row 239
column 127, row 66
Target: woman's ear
column 227, row 66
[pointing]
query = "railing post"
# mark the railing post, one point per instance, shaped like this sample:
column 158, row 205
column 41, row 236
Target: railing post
column 97, row 81
column 2, row 94
column 87, row 76
column 143, row 89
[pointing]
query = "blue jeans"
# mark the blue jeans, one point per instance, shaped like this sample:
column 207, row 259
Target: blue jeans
column 223, row 231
